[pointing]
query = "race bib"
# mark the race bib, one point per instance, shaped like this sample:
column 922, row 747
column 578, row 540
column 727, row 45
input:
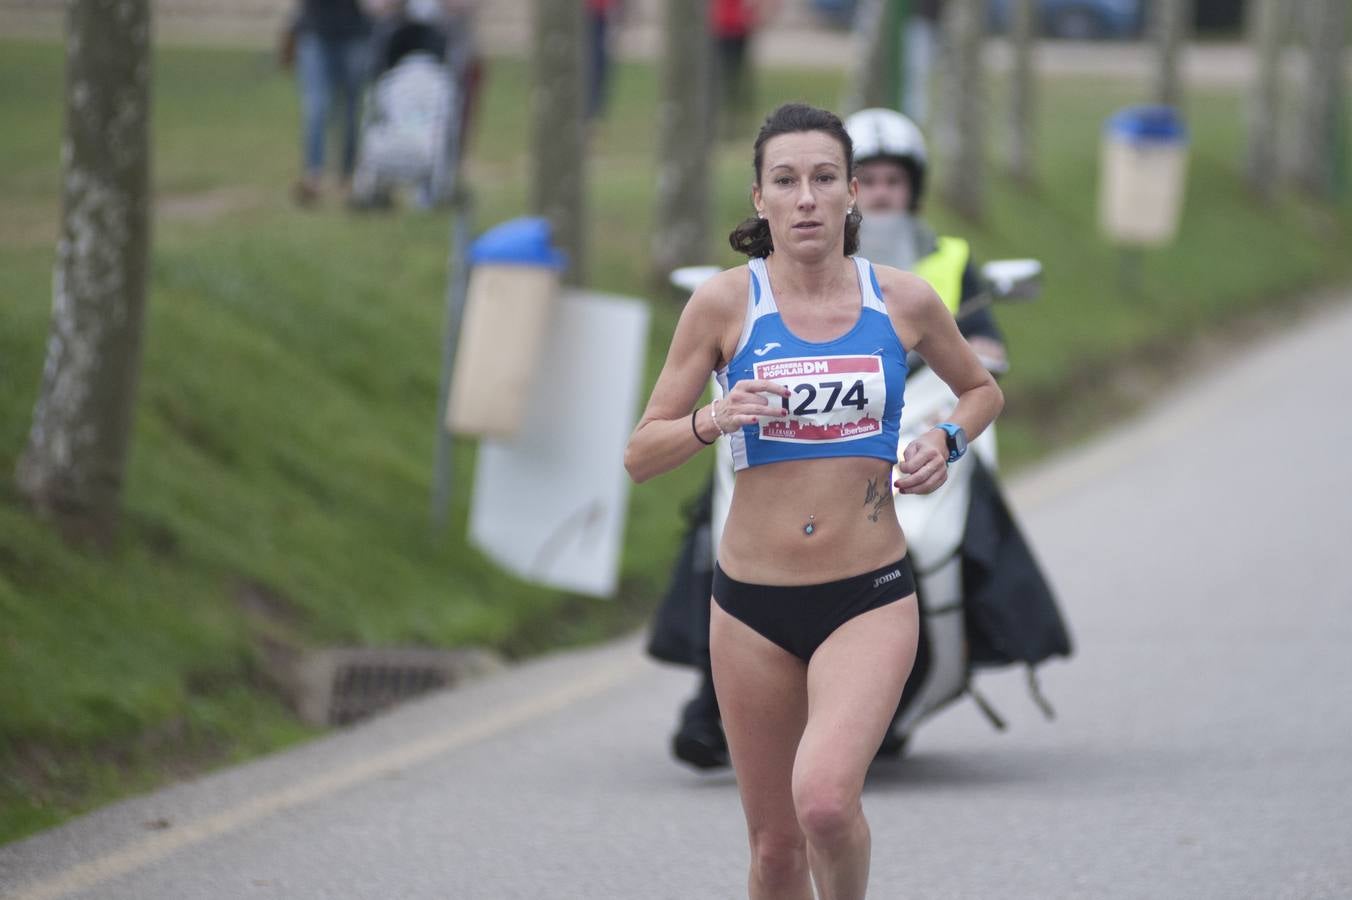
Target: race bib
column 831, row 398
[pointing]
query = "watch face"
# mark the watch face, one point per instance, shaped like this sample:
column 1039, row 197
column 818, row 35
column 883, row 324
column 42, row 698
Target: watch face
column 957, row 440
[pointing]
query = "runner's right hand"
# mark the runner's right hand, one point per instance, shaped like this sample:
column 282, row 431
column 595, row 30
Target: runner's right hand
column 746, row 403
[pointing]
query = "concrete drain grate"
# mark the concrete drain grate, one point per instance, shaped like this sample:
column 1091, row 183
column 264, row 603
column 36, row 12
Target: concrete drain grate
column 343, row 685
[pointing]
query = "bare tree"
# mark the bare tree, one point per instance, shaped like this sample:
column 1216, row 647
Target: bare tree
column 962, row 127
column 1023, row 91
column 1324, row 111
column 559, row 139
column 685, row 139
column 1169, row 21
column 1265, row 39
column 72, row 468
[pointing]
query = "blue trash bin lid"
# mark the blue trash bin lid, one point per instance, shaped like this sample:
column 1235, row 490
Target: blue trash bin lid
column 1141, row 124
column 519, row 242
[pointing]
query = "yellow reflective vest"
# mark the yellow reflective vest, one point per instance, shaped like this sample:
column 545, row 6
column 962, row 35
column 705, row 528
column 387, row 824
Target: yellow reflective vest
column 943, row 269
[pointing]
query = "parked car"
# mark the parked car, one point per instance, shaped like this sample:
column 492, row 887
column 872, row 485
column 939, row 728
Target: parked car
column 1072, row 19
column 836, row 13
column 1079, row 20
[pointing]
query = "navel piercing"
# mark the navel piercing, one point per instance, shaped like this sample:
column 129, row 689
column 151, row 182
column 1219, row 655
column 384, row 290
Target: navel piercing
column 809, row 527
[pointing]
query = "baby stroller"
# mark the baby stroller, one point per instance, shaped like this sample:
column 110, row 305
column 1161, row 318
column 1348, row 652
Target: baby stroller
column 409, row 132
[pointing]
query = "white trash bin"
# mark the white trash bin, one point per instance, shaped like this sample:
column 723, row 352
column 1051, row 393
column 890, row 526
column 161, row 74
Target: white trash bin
column 1142, row 172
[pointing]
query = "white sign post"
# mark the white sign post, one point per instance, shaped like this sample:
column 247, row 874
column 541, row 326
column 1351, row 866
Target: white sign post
column 549, row 505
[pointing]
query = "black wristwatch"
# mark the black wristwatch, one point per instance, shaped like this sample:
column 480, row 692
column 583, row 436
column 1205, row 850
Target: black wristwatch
column 957, row 440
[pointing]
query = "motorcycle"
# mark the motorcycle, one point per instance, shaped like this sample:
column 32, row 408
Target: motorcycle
column 983, row 600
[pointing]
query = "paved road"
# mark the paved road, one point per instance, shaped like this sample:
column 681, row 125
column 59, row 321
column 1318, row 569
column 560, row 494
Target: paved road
column 1201, row 748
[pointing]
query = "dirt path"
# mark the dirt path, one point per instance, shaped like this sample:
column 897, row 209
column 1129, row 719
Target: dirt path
column 40, row 225
column 795, row 37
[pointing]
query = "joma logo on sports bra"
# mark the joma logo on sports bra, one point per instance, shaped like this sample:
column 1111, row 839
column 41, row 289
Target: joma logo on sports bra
column 831, row 398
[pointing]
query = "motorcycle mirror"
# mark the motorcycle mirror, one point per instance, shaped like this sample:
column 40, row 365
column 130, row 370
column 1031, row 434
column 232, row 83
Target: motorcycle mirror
column 1014, row 279
column 687, row 278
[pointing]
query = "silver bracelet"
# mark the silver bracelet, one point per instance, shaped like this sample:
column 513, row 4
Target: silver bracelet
column 713, row 414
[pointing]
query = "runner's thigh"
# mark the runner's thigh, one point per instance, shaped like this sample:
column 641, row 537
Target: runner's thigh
column 854, row 684
column 762, row 696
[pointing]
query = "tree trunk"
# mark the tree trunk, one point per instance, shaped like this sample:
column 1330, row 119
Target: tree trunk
column 1261, row 163
column 1023, row 95
column 73, row 466
column 684, row 141
column 1322, row 154
column 1169, row 30
column 878, row 73
column 559, row 140
column 962, row 125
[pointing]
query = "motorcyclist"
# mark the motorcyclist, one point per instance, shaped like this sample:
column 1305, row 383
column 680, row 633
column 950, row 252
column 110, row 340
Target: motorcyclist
column 891, row 165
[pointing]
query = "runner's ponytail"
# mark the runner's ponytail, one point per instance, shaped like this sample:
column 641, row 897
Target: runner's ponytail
column 752, row 237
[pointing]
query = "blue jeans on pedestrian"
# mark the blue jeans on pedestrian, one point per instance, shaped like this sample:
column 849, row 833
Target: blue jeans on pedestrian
column 329, row 68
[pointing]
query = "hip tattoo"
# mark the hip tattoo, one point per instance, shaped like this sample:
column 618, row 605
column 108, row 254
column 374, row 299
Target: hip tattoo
column 875, row 499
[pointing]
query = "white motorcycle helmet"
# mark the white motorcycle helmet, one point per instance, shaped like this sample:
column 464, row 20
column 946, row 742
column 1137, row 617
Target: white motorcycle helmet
column 886, row 134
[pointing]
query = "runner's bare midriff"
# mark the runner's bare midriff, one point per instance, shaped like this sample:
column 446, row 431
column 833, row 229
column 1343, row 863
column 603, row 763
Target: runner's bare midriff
column 854, row 526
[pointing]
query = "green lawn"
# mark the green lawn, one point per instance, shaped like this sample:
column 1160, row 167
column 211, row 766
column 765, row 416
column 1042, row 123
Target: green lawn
column 285, row 427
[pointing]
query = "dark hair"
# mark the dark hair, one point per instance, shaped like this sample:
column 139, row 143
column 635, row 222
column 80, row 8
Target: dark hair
column 752, row 237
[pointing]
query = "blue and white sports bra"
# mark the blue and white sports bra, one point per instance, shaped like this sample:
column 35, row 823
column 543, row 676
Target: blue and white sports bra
column 846, row 394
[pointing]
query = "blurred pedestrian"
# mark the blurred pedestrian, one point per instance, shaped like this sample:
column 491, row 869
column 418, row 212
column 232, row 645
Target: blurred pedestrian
column 331, row 52
column 602, row 18
column 921, row 47
column 814, row 623
column 732, row 24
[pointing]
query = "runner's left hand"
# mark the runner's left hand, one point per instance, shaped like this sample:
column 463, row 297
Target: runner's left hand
column 924, row 464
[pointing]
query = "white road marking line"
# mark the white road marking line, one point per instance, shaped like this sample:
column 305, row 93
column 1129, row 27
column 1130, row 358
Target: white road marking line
column 127, row 859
